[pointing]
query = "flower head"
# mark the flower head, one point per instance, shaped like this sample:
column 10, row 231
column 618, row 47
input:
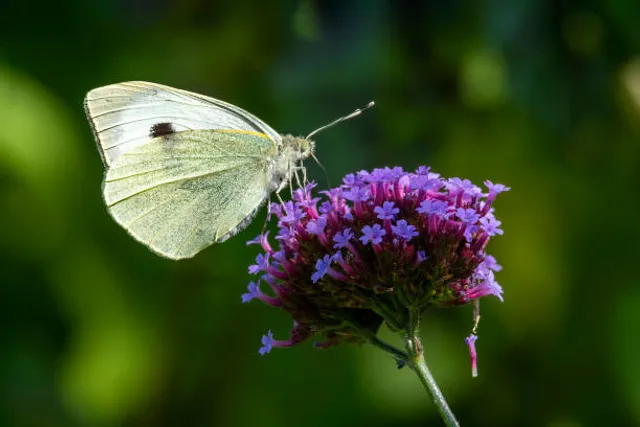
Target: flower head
column 380, row 244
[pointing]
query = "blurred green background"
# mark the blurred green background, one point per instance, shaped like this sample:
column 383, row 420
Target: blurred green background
column 541, row 95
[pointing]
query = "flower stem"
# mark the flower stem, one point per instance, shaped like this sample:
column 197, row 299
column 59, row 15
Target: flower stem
column 400, row 356
column 419, row 366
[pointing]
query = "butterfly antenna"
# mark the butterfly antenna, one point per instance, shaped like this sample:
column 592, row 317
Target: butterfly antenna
column 326, row 175
column 342, row 119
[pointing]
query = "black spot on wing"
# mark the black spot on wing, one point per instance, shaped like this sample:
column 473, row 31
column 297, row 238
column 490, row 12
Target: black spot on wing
column 161, row 129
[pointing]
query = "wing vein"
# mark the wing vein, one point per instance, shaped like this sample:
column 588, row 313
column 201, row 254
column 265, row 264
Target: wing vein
column 156, row 119
column 170, row 223
column 173, row 181
column 126, row 108
column 154, row 208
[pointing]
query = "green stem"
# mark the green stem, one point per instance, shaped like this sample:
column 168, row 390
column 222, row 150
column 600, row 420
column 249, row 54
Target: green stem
column 400, row 356
column 381, row 309
column 419, row 366
column 397, row 354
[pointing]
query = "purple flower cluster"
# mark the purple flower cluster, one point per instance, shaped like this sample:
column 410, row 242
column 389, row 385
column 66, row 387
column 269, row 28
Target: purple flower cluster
column 369, row 250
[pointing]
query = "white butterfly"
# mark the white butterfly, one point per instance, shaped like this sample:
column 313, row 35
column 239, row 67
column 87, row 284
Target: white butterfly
column 184, row 171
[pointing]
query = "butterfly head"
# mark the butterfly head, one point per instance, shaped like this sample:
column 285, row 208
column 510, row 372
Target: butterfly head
column 297, row 147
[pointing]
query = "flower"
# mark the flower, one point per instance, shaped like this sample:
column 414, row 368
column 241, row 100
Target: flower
column 471, row 343
column 267, row 344
column 322, row 266
column 433, row 206
column 367, row 252
column 490, row 263
column 496, row 188
column 357, row 194
column 342, row 238
column 372, row 234
column 262, row 262
column 468, row 216
column 317, row 227
column 386, row 211
column 254, row 292
column 490, row 225
column 404, row 231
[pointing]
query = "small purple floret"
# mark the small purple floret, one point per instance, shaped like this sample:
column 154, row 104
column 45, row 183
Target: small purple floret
column 432, row 206
column 464, row 185
column 496, row 188
column 262, row 262
column 423, row 170
column 342, row 238
column 254, row 292
column 317, row 227
column 351, row 180
column 267, row 344
column 372, row 234
column 322, row 267
column 469, row 231
column 491, row 264
column 404, row 231
column 256, row 241
column 293, row 213
column 471, row 343
column 386, row 211
column 469, row 216
column 486, row 286
column 357, row 194
column 491, row 226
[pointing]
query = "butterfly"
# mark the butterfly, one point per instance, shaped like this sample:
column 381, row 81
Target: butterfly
column 183, row 170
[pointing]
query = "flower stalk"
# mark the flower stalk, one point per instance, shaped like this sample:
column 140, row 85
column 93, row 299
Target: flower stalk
column 418, row 364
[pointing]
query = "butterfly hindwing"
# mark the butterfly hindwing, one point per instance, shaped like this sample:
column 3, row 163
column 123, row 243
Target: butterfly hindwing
column 180, row 192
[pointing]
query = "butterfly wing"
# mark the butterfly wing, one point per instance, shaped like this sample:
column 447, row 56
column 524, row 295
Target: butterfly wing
column 126, row 115
column 181, row 192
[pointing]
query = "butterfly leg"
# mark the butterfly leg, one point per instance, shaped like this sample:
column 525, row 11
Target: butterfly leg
column 304, row 173
column 279, row 189
column 268, row 217
column 292, row 169
column 295, row 169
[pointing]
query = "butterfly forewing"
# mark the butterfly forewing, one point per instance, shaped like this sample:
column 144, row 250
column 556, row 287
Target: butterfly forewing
column 181, row 192
column 125, row 115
